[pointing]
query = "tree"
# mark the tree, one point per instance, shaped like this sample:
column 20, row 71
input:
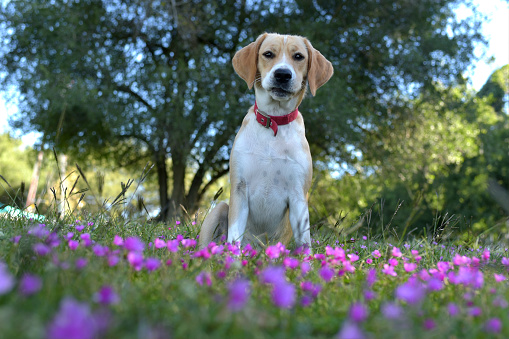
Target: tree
column 153, row 81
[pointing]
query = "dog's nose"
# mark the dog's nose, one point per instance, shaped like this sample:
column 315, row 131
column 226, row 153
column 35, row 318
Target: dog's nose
column 282, row 75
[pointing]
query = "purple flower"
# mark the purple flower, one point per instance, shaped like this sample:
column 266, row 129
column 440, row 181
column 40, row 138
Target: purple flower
column 453, row 309
column 29, row 284
column 159, row 243
column 429, row 324
column 291, row 263
column 371, row 277
column 6, row 279
column 173, row 245
column 80, row 263
column 16, row 239
column 358, row 312
column 376, row 254
column 493, row 325
column 391, row 310
column 412, row 291
column 239, row 292
column 69, row 236
column 73, row 244
column 134, row 244
column 152, row 264
column 113, row 260
column 41, row 249
column 204, row 278
column 350, row 330
column 118, row 241
column 273, row 275
column 85, row 237
column 327, row 273
column 188, row 243
column 283, row 295
column 100, row 251
column 435, row 285
column 499, row 277
column 305, row 267
column 72, row 321
column 106, row 296
column 80, row 228
column 474, row 311
column 135, row 260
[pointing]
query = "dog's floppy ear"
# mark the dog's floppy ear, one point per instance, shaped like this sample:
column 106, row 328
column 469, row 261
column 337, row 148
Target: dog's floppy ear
column 320, row 69
column 245, row 61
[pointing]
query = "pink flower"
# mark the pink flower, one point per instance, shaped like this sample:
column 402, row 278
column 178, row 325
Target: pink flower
column 118, row 241
column 389, row 270
column 188, row 243
column 291, row 263
column 134, row 244
column 159, row 243
column 353, row 257
column 173, row 245
column 393, row 262
column 273, row 252
column 443, row 266
column 177, row 222
column 499, row 277
column 396, row 252
column 505, row 261
column 238, row 295
column 204, row 278
column 135, row 259
column 459, row 260
column 376, row 254
column 409, row 267
column 369, row 261
column 113, row 260
column 486, row 255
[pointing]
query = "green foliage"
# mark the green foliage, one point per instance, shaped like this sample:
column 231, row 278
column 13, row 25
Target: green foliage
column 153, row 80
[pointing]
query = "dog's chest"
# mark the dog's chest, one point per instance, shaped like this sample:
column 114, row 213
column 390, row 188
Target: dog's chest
column 273, row 167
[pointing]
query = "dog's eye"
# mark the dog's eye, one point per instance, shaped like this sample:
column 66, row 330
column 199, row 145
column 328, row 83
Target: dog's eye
column 268, row 55
column 298, row 57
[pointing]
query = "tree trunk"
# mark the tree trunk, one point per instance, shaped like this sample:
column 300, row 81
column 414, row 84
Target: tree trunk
column 162, row 180
column 178, row 190
column 32, row 191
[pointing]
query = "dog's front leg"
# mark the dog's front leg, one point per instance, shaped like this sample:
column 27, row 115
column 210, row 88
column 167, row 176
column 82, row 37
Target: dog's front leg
column 239, row 211
column 299, row 220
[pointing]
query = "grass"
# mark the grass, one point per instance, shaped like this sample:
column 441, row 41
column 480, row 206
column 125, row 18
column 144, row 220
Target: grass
column 100, row 289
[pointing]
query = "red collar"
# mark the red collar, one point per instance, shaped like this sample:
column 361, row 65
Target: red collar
column 273, row 121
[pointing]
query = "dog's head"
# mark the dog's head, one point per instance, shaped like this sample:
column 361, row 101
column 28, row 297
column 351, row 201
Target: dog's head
column 281, row 65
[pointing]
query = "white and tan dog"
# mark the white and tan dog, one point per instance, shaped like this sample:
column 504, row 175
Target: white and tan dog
column 270, row 162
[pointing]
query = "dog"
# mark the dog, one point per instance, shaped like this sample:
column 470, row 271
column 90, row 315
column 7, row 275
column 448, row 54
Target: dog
column 270, row 161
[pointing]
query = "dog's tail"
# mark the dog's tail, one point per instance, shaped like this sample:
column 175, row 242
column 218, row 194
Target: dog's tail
column 215, row 225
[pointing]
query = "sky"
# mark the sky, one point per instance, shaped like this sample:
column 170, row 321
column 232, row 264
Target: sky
column 496, row 55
